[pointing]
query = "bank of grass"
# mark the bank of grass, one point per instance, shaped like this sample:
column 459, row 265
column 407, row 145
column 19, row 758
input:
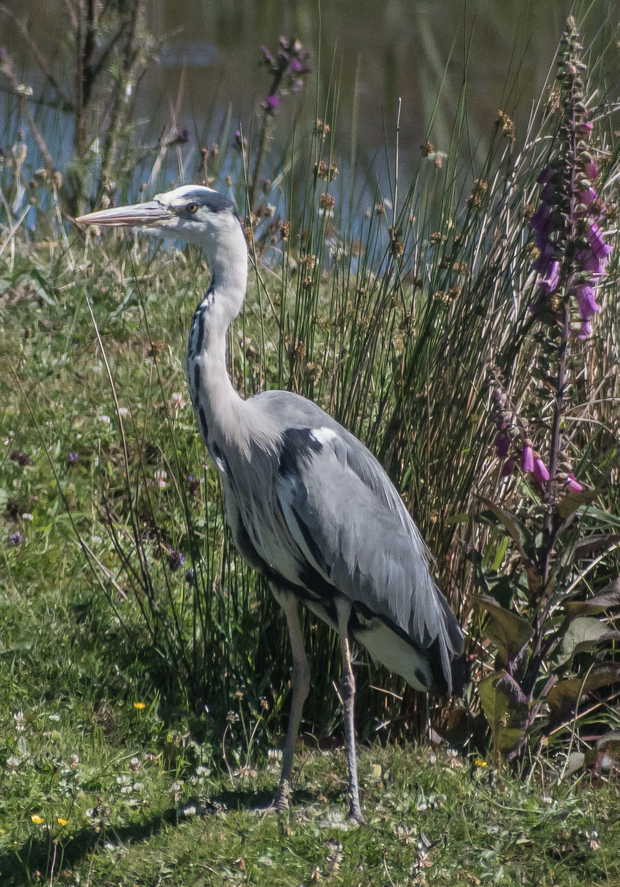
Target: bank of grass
column 109, row 773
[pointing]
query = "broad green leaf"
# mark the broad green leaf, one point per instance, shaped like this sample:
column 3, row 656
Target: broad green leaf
column 608, row 597
column 585, row 634
column 572, row 501
column 589, row 544
column 505, row 709
column 562, row 698
column 508, row 631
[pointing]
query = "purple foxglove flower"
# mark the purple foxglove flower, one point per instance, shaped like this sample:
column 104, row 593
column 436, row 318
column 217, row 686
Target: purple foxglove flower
column 545, row 260
column 508, row 467
column 595, row 238
column 527, row 459
column 271, row 104
column 550, row 284
column 591, row 170
column 586, row 329
column 588, row 196
column 545, row 175
column 540, row 471
column 587, row 301
column 502, row 445
column 591, row 262
column 541, row 220
column 547, row 192
column 267, row 56
column 572, row 484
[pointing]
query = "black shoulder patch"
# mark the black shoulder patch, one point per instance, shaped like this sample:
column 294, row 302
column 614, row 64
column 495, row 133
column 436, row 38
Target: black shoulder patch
column 298, row 445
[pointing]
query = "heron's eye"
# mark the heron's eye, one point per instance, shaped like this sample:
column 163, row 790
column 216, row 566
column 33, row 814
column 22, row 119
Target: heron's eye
column 191, row 208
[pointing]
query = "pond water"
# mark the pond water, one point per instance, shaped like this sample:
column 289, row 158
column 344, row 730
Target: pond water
column 376, row 53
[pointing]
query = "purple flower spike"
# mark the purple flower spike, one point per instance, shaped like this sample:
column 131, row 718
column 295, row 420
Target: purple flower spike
column 587, row 302
column 541, row 472
column 588, row 196
column 508, row 467
column 271, row 104
column 73, row 457
column 595, row 237
column 502, row 445
column 551, row 283
column 591, row 170
column 527, row 459
column 541, row 220
column 267, row 56
column 586, row 329
column 545, row 260
column 572, row 484
column 585, row 128
column 545, row 175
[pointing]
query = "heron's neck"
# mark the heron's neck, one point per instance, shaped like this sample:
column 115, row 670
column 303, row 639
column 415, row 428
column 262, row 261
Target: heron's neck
column 216, row 403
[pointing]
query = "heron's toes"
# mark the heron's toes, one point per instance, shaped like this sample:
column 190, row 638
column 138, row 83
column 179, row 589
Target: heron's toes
column 282, row 797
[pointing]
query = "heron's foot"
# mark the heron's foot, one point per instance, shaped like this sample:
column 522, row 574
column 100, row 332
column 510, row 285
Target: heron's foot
column 282, row 797
column 355, row 813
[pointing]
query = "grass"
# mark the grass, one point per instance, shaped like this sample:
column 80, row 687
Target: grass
column 144, row 673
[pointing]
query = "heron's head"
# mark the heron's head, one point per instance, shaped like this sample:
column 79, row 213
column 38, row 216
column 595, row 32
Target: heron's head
column 192, row 213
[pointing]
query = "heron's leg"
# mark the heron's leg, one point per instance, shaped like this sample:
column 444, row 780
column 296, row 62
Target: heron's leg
column 300, row 683
column 348, row 698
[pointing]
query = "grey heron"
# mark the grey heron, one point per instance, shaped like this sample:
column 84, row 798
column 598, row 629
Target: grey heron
column 308, row 505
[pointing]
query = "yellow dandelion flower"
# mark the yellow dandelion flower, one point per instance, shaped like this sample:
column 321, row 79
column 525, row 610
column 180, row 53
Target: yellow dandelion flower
column 38, row 820
column 480, row 763
column 62, row 821
column 139, row 705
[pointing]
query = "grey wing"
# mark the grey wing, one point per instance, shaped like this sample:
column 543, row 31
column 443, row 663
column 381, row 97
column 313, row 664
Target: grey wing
column 352, row 526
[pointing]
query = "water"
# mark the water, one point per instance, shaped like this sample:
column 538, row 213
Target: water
column 376, row 53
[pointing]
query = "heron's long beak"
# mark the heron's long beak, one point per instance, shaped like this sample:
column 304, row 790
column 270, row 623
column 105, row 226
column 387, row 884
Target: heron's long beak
column 138, row 215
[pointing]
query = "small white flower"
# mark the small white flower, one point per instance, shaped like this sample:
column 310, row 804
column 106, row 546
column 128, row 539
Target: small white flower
column 54, row 717
column 26, row 516
column 123, row 411
column 20, row 721
column 12, row 762
column 123, row 779
column 105, row 420
column 202, row 771
column 138, row 786
column 74, row 760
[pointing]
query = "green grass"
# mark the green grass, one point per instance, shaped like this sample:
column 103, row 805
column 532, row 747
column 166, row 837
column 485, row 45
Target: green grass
column 139, row 705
